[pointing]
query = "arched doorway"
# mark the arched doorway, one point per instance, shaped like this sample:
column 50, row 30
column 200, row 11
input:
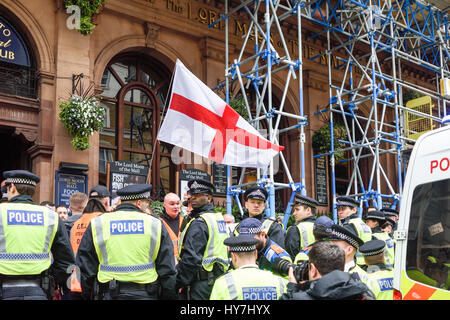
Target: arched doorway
column 135, row 89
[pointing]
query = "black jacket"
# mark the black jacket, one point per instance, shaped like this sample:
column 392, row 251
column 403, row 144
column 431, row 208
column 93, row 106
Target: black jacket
column 276, row 232
column 88, row 261
column 61, row 249
column 336, row 285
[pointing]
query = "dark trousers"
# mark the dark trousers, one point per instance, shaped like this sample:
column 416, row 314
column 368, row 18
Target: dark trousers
column 200, row 290
column 23, row 293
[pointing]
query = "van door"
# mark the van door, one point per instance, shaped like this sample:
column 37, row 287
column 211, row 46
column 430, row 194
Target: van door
column 422, row 264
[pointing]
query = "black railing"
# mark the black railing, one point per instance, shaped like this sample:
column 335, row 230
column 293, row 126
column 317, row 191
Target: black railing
column 17, row 80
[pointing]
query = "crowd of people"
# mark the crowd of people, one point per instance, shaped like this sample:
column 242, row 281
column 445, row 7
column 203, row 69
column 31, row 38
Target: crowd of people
column 190, row 251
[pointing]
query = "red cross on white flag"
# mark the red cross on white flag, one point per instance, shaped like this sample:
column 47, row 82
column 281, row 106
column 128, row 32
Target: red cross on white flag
column 198, row 120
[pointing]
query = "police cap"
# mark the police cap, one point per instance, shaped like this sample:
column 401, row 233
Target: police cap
column 21, row 177
column 197, row 186
column 135, row 192
column 99, row 192
column 390, row 221
column 346, row 202
column 250, row 226
column 256, row 193
column 305, row 201
column 241, row 243
column 322, row 226
column 375, row 215
column 372, row 247
column 345, row 233
column 390, row 212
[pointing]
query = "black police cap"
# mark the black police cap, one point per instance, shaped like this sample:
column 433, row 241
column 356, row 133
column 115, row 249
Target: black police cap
column 344, row 201
column 256, row 193
column 197, row 186
column 390, row 212
column 372, row 248
column 241, row 243
column 346, row 234
column 21, row 177
column 99, row 192
column 376, row 215
column 135, row 192
column 305, row 201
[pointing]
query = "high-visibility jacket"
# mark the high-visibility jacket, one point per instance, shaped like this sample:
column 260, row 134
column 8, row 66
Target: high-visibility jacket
column 362, row 276
column 27, row 232
column 389, row 252
column 248, row 283
column 174, row 237
column 216, row 251
column 382, row 281
column 79, row 227
column 305, row 230
column 127, row 244
column 364, row 233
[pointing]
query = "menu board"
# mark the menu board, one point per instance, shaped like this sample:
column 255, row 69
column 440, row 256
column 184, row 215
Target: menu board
column 187, row 174
column 219, row 174
column 124, row 173
column 320, row 169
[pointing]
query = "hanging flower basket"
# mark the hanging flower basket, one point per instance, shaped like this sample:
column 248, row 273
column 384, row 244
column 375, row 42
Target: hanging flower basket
column 81, row 117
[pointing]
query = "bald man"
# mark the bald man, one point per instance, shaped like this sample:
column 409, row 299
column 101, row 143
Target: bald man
column 172, row 219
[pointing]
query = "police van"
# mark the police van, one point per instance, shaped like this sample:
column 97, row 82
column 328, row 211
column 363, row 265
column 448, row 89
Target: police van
column 422, row 253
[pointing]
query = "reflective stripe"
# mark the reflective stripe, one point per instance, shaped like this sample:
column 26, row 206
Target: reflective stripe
column 211, row 222
column 51, row 224
column 100, row 240
column 141, row 267
column 231, row 286
column 304, row 241
column 24, row 256
column 156, row 229
column 2, row 236
column 280, row 280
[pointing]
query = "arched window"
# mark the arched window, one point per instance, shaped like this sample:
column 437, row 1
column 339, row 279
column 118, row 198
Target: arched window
column 135, row 89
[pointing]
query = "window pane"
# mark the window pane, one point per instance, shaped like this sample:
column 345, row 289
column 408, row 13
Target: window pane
column 147, row 79
column 164, row 173
column 137, row 128
column 108, row 133
column 110, row 84
column 106, row 156
column 137, row 96
column 126, row 72
column 428, row 252
column 143, row 159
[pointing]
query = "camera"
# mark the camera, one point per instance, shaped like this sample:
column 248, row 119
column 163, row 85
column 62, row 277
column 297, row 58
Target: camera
column 300, row 269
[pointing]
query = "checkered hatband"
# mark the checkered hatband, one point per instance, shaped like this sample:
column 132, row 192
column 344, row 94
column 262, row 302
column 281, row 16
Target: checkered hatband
column 145, row 195
column 21, row 181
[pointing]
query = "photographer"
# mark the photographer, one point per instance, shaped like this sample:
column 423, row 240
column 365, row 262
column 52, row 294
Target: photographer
column 326, row 278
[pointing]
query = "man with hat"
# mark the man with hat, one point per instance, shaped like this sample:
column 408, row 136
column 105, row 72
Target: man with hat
column 321, row 231
column 268, row 250
column 34, row 244
column 347, row 240
column 255, row 203
column 301, row 234
column 203, row 256
column 246, row 281
column 375, row 219
column 347, row 209
column 379, row 274
column 392, row 215
column 127, row 254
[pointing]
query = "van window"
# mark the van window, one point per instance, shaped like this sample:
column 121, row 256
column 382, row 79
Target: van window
column 428, row 249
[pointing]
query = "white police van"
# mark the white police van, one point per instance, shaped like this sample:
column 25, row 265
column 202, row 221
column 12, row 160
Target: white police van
column 422, row 253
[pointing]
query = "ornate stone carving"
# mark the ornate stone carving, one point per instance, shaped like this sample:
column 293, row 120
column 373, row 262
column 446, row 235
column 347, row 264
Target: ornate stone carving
column 151, row 34
column 30, row 135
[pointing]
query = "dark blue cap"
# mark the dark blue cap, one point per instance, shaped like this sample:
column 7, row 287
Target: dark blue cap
column 346, row 202
column 322, row 226
column 305, row 201
column 256, row 193
column 241, row 243
column 21, row 177
column 250, row 226
column 376, row 215
column 99, row 192
column 135, row 192
column 197, row 186
column 345, row 233
column 390, row 212
column 372, row 247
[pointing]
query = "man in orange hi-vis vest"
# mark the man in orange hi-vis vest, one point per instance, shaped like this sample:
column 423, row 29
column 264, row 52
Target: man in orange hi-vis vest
column 172, row 220
column 98, row 203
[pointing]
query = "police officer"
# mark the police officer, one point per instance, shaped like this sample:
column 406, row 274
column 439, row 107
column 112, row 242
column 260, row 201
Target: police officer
column 268, row 250
column 255, row 203
column 321, row 231
column 203, row 256
column 392, row 215
column 347, row 209
column 375, row 219
column 33, row 241
column 127, row 254
column 380, row 275
column 301, row 234
column 246, row 281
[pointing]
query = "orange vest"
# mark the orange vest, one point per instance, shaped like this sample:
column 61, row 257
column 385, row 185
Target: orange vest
column 78, row 229
column 174, row 237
